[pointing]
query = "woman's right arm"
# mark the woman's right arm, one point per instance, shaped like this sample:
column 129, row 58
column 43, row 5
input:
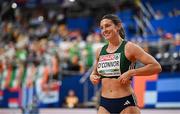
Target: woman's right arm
column 94, row 77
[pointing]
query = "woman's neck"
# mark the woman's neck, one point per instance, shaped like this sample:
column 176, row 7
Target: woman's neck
column 116, row 42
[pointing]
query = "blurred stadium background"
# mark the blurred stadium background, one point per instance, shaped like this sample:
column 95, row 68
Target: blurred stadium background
column 47, row 49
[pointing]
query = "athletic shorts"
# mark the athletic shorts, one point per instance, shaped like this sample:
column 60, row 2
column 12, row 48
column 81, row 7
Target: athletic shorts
column 116, row 105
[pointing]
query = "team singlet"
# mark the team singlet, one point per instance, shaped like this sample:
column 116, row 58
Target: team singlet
column 113, row 64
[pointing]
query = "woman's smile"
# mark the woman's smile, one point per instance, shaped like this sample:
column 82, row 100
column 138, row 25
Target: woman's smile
column 107, row 35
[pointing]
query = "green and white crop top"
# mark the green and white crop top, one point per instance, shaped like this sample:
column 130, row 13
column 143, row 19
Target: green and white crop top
column 112, row 65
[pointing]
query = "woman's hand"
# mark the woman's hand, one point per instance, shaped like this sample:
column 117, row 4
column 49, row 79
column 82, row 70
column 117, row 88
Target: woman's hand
column 125, row 78
column 95, row 79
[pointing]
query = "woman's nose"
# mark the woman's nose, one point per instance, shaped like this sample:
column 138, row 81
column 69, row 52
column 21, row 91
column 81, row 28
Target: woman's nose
column 104, row 30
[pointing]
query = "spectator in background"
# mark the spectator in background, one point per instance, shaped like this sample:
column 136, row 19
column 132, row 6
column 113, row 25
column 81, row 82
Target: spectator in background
column 54, row 36
column 160, row 31
column 158, row 15
column 74, row 65
column 177, row 39
column 71, row 100
column 166, row 42
column 63, row 32
column 7, row 35
column 174, row 12
column 88, row 53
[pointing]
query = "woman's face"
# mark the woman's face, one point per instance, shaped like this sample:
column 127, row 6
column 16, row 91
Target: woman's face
column 108, row 29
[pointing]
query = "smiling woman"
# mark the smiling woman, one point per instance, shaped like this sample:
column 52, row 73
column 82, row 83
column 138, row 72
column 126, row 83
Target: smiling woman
column 114, row 66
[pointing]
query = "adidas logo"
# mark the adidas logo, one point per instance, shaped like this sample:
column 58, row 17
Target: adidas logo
column 127, row 103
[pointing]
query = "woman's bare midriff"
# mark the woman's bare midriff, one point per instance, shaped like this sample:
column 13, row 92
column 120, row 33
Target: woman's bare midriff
column 111, row 88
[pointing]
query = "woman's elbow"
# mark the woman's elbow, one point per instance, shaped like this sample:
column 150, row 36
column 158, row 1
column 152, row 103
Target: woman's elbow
column 158, row 68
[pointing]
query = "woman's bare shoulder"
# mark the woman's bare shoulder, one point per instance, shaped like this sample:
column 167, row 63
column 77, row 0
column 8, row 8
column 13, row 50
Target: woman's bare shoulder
column 131, row 49
column 130, row 46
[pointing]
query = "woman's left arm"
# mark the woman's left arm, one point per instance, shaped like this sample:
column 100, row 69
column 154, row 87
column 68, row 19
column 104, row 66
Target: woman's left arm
column 151, row 65
column 133, row 52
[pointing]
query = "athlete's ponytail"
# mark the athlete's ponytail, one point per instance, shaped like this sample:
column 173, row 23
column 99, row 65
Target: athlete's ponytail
column 115, row 19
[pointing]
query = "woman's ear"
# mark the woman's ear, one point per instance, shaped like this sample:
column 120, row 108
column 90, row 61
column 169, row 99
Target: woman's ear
column 119, row 26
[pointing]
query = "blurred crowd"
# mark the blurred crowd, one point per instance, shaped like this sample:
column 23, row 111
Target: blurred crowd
column 50, row 48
